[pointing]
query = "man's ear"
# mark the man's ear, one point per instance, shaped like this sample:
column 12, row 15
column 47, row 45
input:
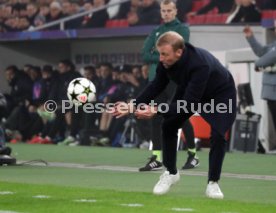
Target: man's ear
column 179, row 52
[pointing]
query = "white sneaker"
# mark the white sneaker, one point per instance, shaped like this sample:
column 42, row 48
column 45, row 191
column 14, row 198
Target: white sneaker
column 213, row 190
column 165, row 182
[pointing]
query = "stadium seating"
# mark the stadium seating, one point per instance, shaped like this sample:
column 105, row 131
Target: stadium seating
column 116, row 23
column 208, row 19
column 197, row 4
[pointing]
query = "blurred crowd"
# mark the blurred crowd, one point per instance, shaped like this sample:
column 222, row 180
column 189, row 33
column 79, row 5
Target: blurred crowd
column 21, row 15
column 24, row 117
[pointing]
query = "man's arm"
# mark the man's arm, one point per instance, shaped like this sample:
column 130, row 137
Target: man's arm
column 194, row 91
column 207, row 7
column 154, row 88
column 149, row 52
column 256, row 46
column 268, row 59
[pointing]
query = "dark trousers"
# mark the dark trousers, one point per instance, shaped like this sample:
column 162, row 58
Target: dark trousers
column 58, row 125
column 188, row 130
column 272, row 109
column 156, row 122
column 170, row 128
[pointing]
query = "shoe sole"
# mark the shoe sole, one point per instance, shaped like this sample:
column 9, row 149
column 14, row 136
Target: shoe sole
column 192, row 167
column 152, row 170
column 162, row 193
column 214, row 197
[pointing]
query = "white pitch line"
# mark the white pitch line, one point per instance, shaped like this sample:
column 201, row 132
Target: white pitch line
column 183, row 209
column 229, row 212
column 6, row 193
column 86, row 201
column 41, row 196
column 133, row 169
column 7, row 211
column 132, row 204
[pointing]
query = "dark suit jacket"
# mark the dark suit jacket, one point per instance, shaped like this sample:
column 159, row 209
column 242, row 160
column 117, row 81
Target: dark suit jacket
column 249, row 14
column 224, row 6
column 199, row 77
column 98, row 19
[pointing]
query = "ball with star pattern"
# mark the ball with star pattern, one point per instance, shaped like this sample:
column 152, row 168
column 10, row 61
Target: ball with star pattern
column 81, row 91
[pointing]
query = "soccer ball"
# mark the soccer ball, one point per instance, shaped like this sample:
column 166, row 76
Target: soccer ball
column 81, row 91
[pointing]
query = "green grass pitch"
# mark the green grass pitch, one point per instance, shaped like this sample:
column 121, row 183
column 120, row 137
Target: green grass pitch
column 93, row 179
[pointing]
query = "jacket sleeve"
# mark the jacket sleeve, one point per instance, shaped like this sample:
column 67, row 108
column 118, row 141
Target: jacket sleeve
column 149, row 53
column 154, row 88
column 194, row 90
column 268, row 59
column 257, row 48
column 206, row 8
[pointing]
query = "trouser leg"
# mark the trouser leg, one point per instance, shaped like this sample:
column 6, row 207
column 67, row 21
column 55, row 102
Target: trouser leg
column 272, row 109
column 189, row 134
column 216, row 155
column 169, row 144
column 156, row 132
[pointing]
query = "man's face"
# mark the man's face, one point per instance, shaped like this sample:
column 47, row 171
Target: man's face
column 246, row 2
column 105, row 72
column 62, row 68
column 168, row 56
column 9, row 75
column 168, row 12
column 31, row 10
column 54, row 12
column 87, row 74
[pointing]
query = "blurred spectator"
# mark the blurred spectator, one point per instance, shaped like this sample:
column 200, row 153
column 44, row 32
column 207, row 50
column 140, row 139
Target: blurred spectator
column 106, row 88
column 55, row 14
column 66, row 8
column 23, row 24
column 183, row 7
column 266, row 4
column 222, row 6
column 67, row 73
column 21, row 86
column 22, row 117
column 69, row 9
column 44, row 10
column 51, row 81
column 245, row 12
column 266, row 64
column 87, row 6
column 11, row 24
column 32, row 12
column 39, row 20
column 90, row 73
column 147, row 14
column 128, row 8
column 113, row 10
column 99, row 18
column 3, row 107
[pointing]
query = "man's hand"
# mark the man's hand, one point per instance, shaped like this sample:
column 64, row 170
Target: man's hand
column 147, row 112
column 121, row 109
column 248, row 31
column 191, row 15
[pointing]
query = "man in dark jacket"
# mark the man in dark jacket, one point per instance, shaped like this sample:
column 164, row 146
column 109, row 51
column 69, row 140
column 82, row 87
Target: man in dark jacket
column 222, row 6
column 21, row 86
column 246, row 12
column 147, row 14
column 200, row 80
column 96, row 19
column 151, row 57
